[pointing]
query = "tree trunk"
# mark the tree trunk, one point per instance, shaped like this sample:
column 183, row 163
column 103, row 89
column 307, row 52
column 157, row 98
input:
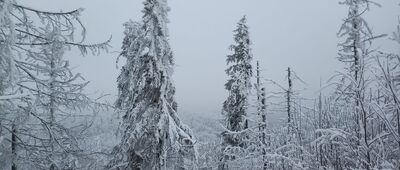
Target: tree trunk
column 13, row 147
column 288, row 100
column 52, row 106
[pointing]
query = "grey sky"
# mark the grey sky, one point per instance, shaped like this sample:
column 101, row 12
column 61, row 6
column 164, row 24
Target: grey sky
column 299, row 34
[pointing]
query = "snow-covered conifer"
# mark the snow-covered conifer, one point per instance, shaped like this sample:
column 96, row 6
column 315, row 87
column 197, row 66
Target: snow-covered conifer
column 153, row 137
column 235, row 107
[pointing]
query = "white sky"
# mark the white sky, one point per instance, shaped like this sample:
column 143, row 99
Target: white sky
column 299, row 34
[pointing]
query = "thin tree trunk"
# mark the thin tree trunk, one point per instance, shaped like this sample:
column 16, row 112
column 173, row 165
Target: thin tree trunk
column 288, row 100
column 13, row 147
column 262, row 114
column 52, row 106
column 398, row 123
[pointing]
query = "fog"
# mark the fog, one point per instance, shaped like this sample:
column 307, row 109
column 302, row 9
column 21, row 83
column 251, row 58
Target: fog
column 299, row 34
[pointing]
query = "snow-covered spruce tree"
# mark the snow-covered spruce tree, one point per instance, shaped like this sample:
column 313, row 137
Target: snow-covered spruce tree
column 153, row 137
column 239, row 86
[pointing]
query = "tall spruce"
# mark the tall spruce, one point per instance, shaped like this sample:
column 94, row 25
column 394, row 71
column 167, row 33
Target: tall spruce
column 153, row 136
column 235, row 107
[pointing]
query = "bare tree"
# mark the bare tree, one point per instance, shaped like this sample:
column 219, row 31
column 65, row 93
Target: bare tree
column 22, row 39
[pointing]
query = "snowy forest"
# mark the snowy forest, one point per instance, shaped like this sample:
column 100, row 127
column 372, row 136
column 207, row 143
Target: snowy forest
column 51, row 118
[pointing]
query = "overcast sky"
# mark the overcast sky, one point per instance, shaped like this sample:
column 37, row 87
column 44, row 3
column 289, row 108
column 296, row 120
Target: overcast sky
column 299, row 34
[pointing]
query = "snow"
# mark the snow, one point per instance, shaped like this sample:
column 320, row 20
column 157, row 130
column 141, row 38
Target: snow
column 46, row 119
